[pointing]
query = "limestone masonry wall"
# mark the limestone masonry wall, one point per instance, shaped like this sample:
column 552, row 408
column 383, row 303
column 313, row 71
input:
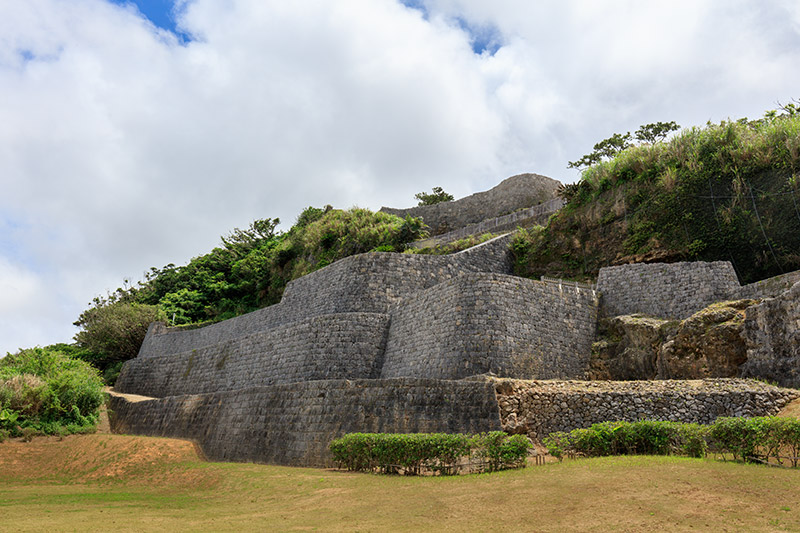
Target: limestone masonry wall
column 482, row 323
column 674, row 290
column 293, row 424
column 772, row 334
column 541, row 407
column 516, row 192
column 340, row 346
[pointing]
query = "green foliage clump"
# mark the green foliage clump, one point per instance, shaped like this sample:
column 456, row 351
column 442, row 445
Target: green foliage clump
column 415, row 453
column 749, row 439
column 645, row 437
column 437, row 196
column 728, row 191
column 42, row 390
column 112, row 332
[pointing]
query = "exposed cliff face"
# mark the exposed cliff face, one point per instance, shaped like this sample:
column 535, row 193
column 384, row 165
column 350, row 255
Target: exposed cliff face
column 708, row 344
column 772, row 334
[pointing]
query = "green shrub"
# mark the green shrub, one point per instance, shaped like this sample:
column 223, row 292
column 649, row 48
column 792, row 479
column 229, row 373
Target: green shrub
column 45, row 390
column 747, row 439
column 418, row 452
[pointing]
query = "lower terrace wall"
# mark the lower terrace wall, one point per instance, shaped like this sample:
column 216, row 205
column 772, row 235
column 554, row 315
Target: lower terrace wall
column 340, row 346
column 538, row 408
column 480, row 323
column 666, row 290
column 293, row 424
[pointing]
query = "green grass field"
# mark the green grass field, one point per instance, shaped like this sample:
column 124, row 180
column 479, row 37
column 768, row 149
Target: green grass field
column 123, row 483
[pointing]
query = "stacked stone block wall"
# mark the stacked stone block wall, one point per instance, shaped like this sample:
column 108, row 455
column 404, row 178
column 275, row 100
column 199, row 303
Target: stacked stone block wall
column 538, row 408
column 340, row 346
column 667, row 290
column 293, row 424
column 482, row 323
column 767, row 288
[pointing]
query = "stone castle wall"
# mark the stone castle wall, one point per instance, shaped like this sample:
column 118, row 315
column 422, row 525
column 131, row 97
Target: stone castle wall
column 668, row 290
column 373, row 342
column 293, row 424
column 482, row 323
column 340, row 346
column 516, row 192
column 538, row 408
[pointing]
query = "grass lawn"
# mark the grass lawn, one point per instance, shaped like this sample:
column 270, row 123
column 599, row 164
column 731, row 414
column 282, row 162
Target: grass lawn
column 124, row 483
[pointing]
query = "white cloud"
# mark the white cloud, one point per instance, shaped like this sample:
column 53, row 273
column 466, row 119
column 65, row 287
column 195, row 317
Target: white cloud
column 121, row 148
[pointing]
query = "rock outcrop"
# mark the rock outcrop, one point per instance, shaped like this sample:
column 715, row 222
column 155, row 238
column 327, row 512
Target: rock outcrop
column 708, row 344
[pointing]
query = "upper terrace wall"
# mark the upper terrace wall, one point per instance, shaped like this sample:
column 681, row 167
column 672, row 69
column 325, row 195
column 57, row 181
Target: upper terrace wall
column 482, row 323
column 341, row 346
column 516, row 192
column 667, row 290
column 364, row 283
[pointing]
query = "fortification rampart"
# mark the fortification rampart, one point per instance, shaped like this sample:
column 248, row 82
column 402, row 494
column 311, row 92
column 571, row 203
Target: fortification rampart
column 373, row 342
column 482, row 323
column 516, row 192
column 340, row 346
column 668, row 290
column 541, row 407
column 293, row 424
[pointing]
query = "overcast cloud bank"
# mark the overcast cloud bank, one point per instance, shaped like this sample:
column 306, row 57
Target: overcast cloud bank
column 123, row 146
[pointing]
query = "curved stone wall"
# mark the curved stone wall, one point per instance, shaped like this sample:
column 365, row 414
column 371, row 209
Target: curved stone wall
column 480, row 323
column 340, row 346
column 516, row 192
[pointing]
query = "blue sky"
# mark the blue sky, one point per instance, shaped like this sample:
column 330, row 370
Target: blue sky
column 121, row 150
column 159, row 12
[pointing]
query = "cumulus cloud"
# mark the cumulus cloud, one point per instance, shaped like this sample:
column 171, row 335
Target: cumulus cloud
column 123, row 146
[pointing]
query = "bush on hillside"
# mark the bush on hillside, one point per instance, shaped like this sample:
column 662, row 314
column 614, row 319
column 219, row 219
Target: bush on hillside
column 47, row 391
column 415, row 453
column 759, row 439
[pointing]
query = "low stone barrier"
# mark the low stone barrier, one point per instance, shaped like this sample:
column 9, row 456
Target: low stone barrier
column 538, row 408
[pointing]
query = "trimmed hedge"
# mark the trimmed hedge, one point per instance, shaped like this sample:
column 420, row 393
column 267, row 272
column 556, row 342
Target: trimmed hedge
column 749, row 439
column 415, row 453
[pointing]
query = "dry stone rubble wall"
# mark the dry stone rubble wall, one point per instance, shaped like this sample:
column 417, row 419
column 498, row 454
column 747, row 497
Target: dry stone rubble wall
column 538, row 408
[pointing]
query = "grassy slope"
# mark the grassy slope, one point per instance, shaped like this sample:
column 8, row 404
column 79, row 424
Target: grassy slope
column 703, row 195
column 122, row 483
